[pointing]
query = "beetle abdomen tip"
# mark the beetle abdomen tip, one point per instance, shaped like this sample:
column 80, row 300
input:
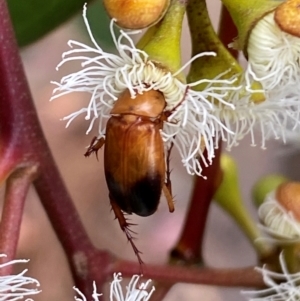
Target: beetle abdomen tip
column 141, row 198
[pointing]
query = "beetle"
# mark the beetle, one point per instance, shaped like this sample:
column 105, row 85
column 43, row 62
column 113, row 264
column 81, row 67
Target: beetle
column 134, row 158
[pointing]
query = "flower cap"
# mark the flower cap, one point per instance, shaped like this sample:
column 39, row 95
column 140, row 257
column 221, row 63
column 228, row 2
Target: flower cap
column 269, row 119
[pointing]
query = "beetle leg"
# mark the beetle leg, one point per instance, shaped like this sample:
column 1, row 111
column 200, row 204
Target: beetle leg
column 94, row 146
column 169, row 197
column 125, row 228
column 167, row 187
column 168, row 172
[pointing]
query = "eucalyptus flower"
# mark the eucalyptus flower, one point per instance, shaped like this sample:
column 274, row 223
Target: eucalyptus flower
column 273, row 63
column 135, row 291
column 268, row 35
column 272, row 118
column 278, row 221
column 19, row 286
column 274, row 56
column 192, row 125
column 274, row 60
column 282, row 286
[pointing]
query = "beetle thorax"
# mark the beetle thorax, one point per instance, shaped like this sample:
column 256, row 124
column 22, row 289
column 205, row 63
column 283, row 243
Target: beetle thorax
column 129, row 118
column 149, row 104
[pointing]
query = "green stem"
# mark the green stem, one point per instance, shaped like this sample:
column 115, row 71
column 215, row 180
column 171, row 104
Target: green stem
column 189, row 247
column 291, row 253
column 228, row 196
column 245, row 14
column 164, row 46
column 204, row 38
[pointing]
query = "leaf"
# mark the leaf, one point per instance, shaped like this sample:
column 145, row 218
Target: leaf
column 32, row 19
column 99, row 23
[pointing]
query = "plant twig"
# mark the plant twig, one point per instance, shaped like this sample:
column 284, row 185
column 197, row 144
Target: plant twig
column 16, row 190
column 246, row 277
column 189, row 247
column 23, row 143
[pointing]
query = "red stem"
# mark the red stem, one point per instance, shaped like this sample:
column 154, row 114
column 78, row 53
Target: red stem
column 227, row 30
column 188, row 248
column 23, row 143
column 16, row 190
column 21, row 135
column 246, row 277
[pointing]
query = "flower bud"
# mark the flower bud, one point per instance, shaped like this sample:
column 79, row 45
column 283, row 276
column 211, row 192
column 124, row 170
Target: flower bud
column 136, row 14
column 228, row 196
column 264, row 186
column 281, row 216
column 287, row 17
column 245, row 15
column 288, row 196
column 280, row 213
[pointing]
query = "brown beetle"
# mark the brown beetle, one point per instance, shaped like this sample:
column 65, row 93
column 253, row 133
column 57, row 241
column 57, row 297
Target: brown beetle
column 134, row 158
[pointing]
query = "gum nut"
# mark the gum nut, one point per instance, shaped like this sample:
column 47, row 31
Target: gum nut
column 136, row 14
column 287, row 17
column 288, row 195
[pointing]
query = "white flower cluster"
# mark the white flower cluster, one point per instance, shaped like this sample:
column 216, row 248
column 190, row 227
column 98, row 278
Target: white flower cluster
column 273, row 56
column 135, row 291
column 279, row 223
column 17, row 287
column 197, row 118
column 274, row 61
column 281, row 286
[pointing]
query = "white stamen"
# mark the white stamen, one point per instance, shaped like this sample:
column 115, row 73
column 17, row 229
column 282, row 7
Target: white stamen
column 207, row 53
column 281, row 286
column 272, row 117
column 135, row 291
column 277, row 222
column 273, row 56
column 15, row 287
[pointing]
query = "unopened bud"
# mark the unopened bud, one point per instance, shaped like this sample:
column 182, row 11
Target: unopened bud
column 280, row 214
column 264, row 186
column 287, row 17
column 288, row 195
column 136, row 14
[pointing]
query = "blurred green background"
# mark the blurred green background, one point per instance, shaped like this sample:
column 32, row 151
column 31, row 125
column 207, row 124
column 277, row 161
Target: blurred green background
column 32, row 19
